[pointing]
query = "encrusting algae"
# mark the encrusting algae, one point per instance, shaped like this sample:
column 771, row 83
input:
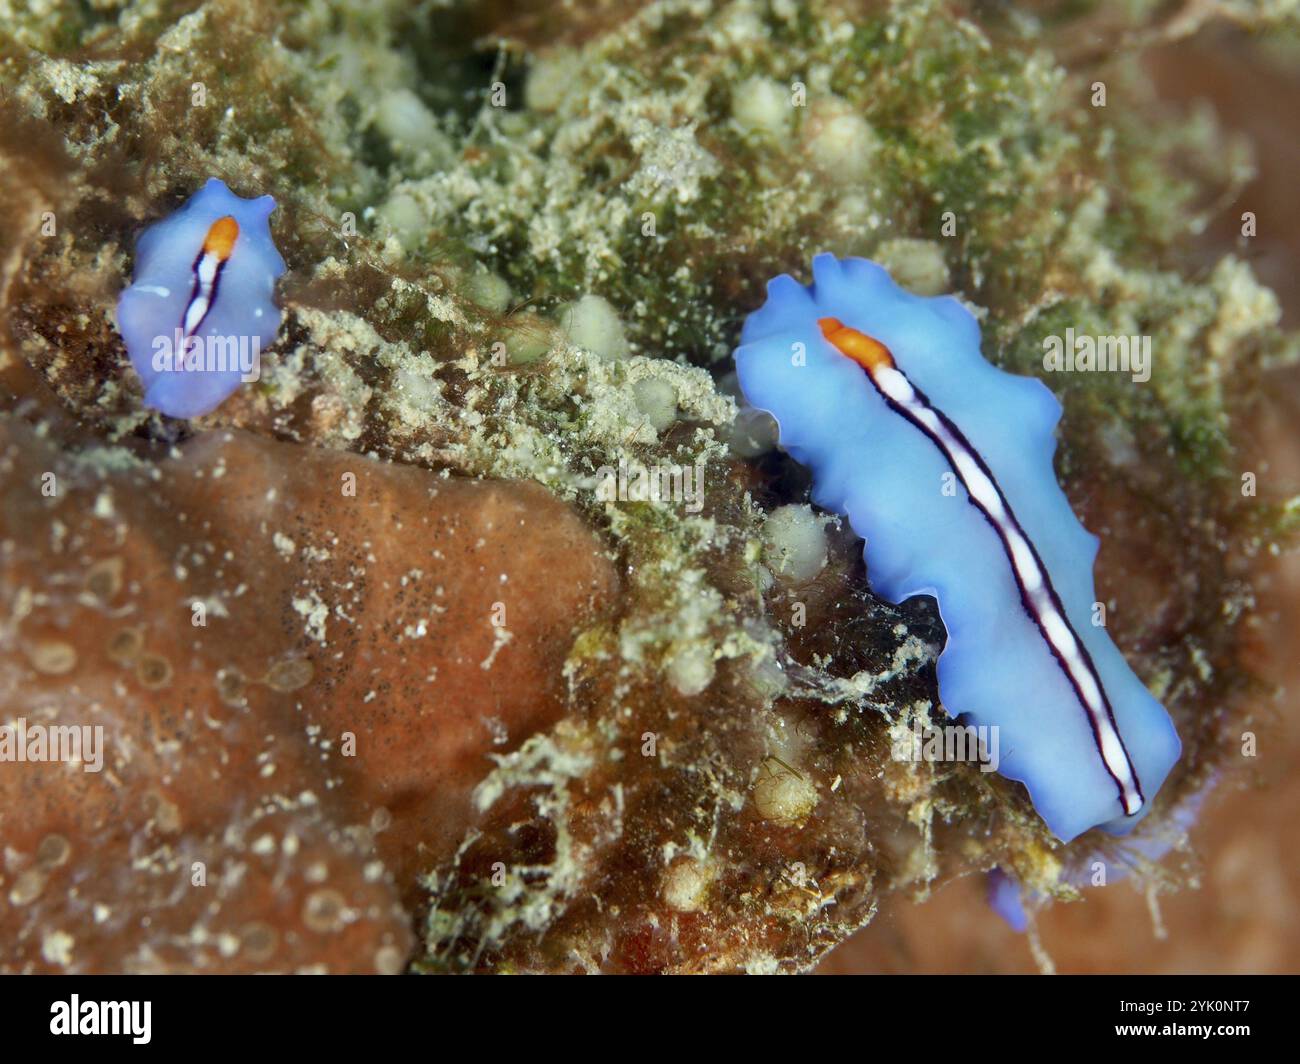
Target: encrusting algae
column 590, row 729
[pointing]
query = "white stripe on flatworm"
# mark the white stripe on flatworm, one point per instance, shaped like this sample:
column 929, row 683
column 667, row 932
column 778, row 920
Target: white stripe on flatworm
column 212, row 258
column 1040, row 598
column 205, row 280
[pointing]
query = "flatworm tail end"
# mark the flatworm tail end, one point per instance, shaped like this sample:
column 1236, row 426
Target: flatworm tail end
column 1037, row 594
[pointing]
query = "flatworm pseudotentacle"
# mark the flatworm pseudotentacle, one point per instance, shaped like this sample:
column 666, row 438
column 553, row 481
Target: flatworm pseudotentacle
column 204, row 276
column 870, row 462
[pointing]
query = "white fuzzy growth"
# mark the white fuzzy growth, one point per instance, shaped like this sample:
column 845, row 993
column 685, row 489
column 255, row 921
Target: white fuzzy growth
column 795, row 538
column 488, row 290
column 763, row 107
column 593, row 323
column 657, row 400
column 690, row 669
column 917, row 265
column 839, row 141
column 409, row 125
column 405, row 218
column 784, row 796
column 551, row 78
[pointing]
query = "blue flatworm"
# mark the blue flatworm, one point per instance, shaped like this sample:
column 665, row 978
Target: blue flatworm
column 943, row 464
column 201, row 306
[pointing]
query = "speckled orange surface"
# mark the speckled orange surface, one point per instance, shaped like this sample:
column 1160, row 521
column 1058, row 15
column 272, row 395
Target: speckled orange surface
column 275, row 778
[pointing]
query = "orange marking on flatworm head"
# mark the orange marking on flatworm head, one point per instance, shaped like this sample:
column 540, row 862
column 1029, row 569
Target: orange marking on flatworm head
column 867, row 352
column 221, row 238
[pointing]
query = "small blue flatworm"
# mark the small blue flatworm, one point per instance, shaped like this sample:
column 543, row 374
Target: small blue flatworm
column 943, row 464
column 201, row 306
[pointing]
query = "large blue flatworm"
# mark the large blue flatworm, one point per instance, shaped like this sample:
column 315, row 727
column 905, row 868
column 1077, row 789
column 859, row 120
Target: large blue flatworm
column 943, row 465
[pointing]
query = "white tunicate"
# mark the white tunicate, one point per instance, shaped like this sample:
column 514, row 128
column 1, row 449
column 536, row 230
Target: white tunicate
column 409, row 125
column 405, row 218
column 686, row 886
column 550, row 78
column 839, row 141
column 527, row 338
column 783, row 796
column 917, row 265
column 488, row 290
column 761, row 105
column 690, row 668
column 657, row 400
column 593, row 323
column 795, row 539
